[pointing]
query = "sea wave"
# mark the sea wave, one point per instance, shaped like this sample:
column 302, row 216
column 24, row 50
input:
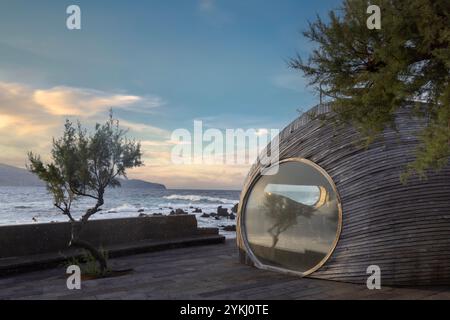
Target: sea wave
column 22, row 207
column 124, row 208
column 199, row 198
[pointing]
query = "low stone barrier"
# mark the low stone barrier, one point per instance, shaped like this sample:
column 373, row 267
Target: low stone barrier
column 34, row 239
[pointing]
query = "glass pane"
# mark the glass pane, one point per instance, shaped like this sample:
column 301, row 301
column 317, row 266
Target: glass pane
column 291, row 218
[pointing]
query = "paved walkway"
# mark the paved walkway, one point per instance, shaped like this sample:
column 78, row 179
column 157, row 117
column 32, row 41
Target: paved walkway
column 207, row 272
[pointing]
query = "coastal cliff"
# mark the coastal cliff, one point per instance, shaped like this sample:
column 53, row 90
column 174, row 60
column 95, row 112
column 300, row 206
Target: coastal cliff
column 16, row 177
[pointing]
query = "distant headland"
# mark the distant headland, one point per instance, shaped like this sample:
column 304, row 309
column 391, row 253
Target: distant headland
column 17, row 177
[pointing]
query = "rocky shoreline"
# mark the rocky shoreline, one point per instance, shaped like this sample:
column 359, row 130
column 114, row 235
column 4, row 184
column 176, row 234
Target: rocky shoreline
column 220, row 214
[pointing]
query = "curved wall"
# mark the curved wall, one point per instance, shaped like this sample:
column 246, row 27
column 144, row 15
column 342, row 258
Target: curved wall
column 404, row 229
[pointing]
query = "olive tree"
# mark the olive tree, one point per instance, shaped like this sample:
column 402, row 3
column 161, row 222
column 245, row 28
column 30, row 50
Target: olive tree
column 85, row 165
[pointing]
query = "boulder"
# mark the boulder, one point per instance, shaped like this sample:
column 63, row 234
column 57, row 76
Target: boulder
column 178, row 212
column 229, row 228
column 142, row 215
column 232, row 216
column 222, row 212
column 235, row 208
column 205, row 215
column 141, row 210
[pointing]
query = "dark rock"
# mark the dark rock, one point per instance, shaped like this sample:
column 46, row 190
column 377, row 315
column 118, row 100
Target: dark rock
column 222, row 212
column 217, row 218
column 229, row 228
column 141, row 210
column 157, row 214
column 197, row 210
column 232, row 216
column 235, row 208
column 205, row 215
column 213, row 214
column 142, row 215
column 178, row 212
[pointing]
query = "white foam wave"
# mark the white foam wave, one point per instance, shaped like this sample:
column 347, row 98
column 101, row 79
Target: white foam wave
column 198, row 198
column 123, row 208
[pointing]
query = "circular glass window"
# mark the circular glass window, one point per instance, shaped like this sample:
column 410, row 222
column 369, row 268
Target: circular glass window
column 292, row 219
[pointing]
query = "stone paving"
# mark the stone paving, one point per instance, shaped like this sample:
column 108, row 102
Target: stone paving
column 206, row 272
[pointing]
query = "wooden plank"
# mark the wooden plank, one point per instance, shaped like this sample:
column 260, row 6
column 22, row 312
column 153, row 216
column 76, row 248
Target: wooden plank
column 404, row 228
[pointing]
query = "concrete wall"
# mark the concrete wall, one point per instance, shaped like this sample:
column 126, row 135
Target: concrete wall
column 32, row 239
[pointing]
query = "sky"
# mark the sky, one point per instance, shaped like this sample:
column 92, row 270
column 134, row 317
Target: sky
column 160, row 65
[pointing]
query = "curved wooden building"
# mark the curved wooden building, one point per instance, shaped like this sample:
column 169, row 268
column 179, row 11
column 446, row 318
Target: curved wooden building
column 334, row 208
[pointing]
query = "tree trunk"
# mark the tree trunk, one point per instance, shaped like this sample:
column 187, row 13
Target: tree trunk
column 76, row 242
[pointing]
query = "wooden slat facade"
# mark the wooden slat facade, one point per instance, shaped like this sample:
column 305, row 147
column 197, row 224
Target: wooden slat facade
column 404, row 229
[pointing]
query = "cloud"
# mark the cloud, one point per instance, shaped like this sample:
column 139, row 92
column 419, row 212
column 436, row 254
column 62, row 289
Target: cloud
column 213, row 14
column 82, row 102
column 206, row 5
column 193, row 176
column 20, row 117
column 144, row 128
column 30, row 117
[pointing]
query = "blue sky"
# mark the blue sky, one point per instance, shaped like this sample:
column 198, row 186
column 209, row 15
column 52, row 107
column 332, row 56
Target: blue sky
column 223, row 62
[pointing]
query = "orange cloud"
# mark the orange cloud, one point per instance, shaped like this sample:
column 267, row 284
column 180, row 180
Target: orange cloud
column 69, row 101
column 30, row 117
column 193, row 176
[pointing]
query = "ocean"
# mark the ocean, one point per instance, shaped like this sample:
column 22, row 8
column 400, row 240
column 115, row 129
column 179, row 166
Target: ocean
column 27, row 205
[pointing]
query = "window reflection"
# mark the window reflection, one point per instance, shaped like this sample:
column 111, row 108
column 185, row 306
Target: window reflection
column 291, row 218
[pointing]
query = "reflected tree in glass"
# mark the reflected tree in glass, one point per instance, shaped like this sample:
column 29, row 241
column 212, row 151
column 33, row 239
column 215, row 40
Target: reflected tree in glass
column 291, row 219
column 284, row 212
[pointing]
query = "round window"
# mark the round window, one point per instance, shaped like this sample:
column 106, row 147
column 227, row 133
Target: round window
column 292, row 219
